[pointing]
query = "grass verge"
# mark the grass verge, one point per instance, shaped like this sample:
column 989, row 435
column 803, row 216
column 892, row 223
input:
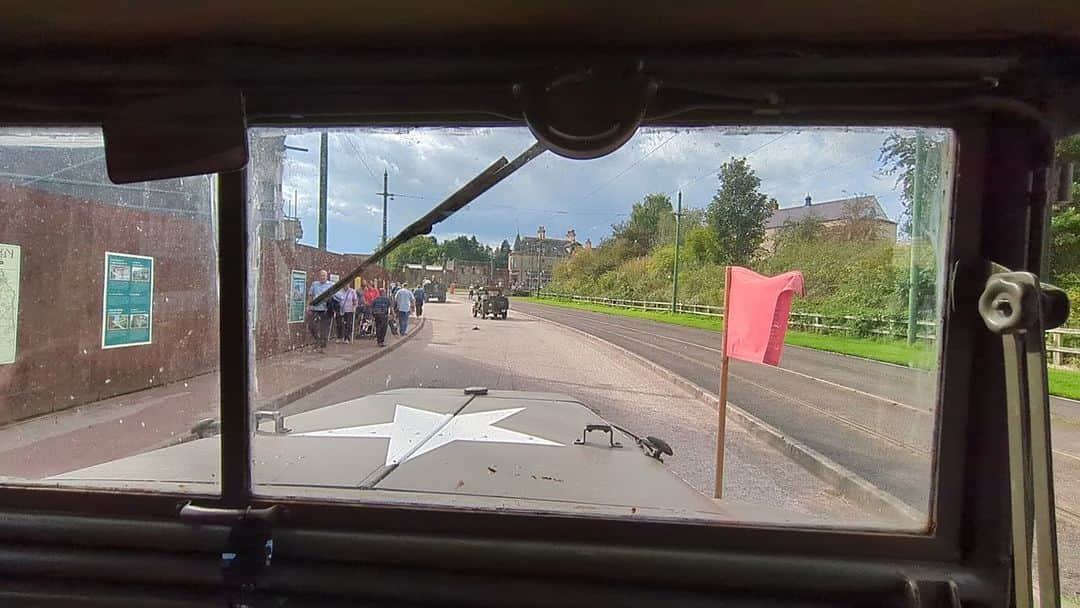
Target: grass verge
column 1063, row 383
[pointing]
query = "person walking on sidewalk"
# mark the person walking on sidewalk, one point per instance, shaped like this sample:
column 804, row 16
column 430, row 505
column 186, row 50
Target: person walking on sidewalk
column 418, row 295
column 319, row 323
column 349, row 303
column 380, row 311
column 406, row 303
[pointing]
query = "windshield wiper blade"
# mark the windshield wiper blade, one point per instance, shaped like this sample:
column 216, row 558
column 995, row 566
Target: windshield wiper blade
column 498, row 171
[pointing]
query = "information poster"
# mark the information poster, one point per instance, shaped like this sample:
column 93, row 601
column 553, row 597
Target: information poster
column 129, row 300
column 10, row 268
column 298, row 296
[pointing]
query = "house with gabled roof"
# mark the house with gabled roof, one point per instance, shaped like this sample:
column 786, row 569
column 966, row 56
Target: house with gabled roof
column 831, row 214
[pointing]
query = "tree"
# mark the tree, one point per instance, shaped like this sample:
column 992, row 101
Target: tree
column 642, row 230
column 737, row 213
column 897, row 156
column 858, row 221
column 502, row 255
column 417, row 250
column 809, row 228
column 465, row 248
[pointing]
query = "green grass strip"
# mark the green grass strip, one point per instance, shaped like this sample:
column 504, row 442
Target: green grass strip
column 1063, row 383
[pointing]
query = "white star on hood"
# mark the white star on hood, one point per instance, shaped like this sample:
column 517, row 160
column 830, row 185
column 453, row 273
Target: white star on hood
column 414, row 431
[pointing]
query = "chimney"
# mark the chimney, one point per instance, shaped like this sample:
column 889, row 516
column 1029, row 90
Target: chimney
column 588, row 243
column 540, row 232
column 775, row 205
column 807, row 200
column 571, row 235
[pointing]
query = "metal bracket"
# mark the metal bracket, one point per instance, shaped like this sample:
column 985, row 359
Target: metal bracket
column 248, row 550
column 604, row 428
column 1016, row 306
column 275, row 415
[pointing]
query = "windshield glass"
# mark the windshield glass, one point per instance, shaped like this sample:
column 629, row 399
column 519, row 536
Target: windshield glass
column 587, row 297
column 556, row 345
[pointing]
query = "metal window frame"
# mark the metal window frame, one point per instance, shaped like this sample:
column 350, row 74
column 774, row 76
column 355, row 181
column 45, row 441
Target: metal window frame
column 966, row 537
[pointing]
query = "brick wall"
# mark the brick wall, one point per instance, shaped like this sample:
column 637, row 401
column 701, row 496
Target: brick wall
column 60, row 362
column 274, row 334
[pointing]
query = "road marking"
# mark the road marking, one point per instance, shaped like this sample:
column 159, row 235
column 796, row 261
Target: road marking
column 920, row 410
column 842, row 419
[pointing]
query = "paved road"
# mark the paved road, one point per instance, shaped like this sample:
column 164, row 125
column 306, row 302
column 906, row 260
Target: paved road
column 523, row 353
column 874, row 418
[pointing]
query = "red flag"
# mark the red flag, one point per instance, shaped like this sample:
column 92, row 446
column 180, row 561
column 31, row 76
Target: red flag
column 757, row 313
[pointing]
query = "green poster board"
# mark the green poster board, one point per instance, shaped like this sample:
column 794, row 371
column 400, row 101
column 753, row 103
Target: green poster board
column 128, row 305
column 10, row 267
column 298, row 296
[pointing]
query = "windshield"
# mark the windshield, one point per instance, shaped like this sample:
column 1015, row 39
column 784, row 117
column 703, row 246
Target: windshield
column 556, row 345
column 555, row 290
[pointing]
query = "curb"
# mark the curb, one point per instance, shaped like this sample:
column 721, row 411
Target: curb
column 283, row 399
column 849, row 484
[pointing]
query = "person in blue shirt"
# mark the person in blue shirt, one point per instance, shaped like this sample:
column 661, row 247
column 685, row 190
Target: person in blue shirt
column 380, row 311
column 405, row 302
column 419, row 295
column 319, row 323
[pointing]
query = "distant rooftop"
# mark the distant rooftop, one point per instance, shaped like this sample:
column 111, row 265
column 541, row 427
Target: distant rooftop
column 825, row 211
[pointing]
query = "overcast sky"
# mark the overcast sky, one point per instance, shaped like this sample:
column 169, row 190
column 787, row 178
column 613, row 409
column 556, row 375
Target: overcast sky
column 426, row 165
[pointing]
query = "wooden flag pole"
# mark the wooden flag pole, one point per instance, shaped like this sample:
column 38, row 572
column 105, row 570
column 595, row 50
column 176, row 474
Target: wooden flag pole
column 721, row 406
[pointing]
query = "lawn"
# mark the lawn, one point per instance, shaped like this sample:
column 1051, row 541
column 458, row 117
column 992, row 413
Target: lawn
column 1063, row 383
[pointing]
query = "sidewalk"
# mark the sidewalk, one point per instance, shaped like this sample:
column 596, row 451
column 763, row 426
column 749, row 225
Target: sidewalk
column 137, row 422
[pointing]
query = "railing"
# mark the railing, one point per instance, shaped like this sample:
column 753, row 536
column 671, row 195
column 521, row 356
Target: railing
column 886, row 327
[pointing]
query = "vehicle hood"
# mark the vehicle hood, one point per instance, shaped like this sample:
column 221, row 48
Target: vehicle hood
column 431, row 445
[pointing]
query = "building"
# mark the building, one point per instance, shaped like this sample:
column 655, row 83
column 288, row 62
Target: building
column 534, row 257
column 831, row 214
column 470, row 272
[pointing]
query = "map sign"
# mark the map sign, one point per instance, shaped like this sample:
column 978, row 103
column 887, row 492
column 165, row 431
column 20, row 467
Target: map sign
column 128, row 304
column 10, row 267
column 297, row 296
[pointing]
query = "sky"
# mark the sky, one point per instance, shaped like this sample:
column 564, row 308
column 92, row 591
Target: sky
column 424, row 165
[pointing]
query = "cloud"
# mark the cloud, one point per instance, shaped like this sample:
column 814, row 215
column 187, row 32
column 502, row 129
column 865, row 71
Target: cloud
column 424, row 165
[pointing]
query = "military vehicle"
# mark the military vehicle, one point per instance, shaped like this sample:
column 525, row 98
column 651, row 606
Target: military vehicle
column 461, row 447
column 491, row 303
column 435, row 291
column 1000, row 76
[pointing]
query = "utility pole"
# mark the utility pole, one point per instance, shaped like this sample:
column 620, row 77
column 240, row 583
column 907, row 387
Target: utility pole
column 916, row 214
column 385, row 198
column 675, row 271
column 540, row 261
column 324, row 142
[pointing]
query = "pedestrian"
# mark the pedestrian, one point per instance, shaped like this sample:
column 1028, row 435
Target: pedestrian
column 405, row 304
column 370, row 293
column 419, row 295
column 380, row 311
column 349, row 302
column 319, row 322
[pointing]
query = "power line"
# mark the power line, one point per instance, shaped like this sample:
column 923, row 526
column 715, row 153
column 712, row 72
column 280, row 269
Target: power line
column 360, row 155
column 712, row 172
column 632, row 165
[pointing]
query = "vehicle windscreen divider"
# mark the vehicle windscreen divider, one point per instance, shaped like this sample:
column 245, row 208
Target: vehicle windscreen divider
column 495, row 173
column 236, row 365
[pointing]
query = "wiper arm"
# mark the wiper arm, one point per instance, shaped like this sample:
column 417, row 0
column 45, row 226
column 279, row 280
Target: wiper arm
column 498, row 171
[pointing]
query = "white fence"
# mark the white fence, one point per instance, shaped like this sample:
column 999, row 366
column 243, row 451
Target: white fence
column 887, row 327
